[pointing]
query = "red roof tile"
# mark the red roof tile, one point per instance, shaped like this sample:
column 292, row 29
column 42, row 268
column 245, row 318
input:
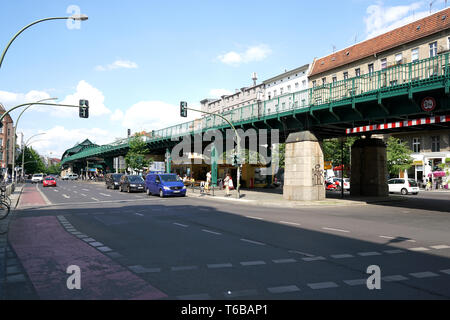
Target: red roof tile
column 402, row 35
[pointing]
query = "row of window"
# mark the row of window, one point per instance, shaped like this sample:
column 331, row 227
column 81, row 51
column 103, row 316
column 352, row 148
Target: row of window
column 433, row 51
column 435, row 144
column 289, row 89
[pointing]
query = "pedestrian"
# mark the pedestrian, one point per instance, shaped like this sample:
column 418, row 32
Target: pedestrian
column 208, row 180
column 202, row 186
column 226, row 182
column 428, row 187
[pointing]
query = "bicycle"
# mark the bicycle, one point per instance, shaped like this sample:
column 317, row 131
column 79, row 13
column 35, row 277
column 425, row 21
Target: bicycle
column 5, row 203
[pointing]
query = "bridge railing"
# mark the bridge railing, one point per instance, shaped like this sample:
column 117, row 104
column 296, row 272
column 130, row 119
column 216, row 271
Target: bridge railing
column 392, row 78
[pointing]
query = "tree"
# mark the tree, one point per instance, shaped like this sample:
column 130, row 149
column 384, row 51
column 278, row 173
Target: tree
column 332, row 150
column 54, row 169
column 136, row 156
column 32, row 161
column 398, row 156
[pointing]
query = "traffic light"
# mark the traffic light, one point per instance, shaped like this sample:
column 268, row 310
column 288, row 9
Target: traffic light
column 183, row 109
column 430, row 163
column 235, row 160
column 84, row 109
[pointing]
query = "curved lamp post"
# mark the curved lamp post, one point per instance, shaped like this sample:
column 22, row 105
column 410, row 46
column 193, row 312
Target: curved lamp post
column 77, row 17
column 14, row 137
column 24, row 148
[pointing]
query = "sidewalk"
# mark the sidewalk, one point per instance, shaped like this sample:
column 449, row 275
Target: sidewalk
column 4, row 226
column 274, row 198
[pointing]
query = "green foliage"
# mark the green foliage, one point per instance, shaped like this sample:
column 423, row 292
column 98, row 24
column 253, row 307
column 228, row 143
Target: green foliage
column 53, row 169
column 135, row 158
column 32, row 161
column 398, row 156
column 332, row 150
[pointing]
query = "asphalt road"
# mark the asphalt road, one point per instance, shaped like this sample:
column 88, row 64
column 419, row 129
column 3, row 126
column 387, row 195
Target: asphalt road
column 198, row 248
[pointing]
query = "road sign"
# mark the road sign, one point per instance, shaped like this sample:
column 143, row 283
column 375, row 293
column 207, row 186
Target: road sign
column 328, row 165
column 428, row 104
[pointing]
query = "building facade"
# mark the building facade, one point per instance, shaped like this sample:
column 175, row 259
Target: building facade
column 6, row 141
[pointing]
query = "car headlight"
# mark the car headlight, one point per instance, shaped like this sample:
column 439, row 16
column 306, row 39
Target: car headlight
column 132, row 185
column 166, row 188
column 184, row 187
column 116, row 183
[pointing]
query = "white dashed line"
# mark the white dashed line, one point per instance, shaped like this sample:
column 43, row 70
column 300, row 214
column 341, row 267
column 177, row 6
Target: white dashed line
column 184, row 268
column 95, row 199
column 212, row 232
column 302, row 253
column 394, row 278
column 394, row 251
column 337, row 230
column 253, row 242
column 313, row 259
column 283, row 289
column 342, row 256
column 356, row 282
column 86, row 190
column 219, row 265
column 284, row 261
column 55, row 190
column 419, row 249
column 180, row 225
column 83, row 195
column 105, row 195
column 322, row 285
column 252, row 263
column 387, row 237
column 439, row 247
column 139, row 214
column 291, row 223
column 66, row 196
column 426, row 274
column 369, row 254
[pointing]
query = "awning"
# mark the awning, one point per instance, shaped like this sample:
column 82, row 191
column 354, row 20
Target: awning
column 438, row 174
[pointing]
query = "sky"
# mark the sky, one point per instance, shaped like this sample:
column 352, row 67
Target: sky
column 136, row 60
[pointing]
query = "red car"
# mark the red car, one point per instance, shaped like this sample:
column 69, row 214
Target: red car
column 49, row 182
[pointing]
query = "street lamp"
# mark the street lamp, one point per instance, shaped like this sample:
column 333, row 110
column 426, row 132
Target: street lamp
column 24, row 148
column 75, row 17
column 14, row 137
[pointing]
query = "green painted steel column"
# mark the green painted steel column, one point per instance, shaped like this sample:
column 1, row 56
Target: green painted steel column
column 214, row 167
column 168, row 161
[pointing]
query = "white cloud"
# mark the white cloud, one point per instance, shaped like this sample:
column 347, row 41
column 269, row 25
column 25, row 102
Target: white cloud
column 252, row 54
column 58, row 139
column 83, row 91
column 217, row 93
column 11, row 99
column 117, row 115
column 118, row 64
column 381, row 19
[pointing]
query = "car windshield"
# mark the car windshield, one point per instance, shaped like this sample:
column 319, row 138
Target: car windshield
column 169, row 178
column 37, row 175
column 116, row 177
column 49, row 178
column 412, row 182
column 135, row 179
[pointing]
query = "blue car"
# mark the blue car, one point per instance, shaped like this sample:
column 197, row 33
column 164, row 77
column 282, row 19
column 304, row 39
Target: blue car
column 164, row 184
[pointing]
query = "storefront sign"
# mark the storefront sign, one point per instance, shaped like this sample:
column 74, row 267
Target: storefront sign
column 418, row 163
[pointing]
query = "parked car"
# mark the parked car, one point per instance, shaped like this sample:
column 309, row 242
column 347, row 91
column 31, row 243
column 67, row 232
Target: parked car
column 112, row 180
column 338, row 181
column 330, row 186
column 403, row 186
column 132, row 183
column 73, row 176
column 37, row 177
column 168, row 184
column 49, row 181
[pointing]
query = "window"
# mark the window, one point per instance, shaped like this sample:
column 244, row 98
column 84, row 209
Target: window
column 289, row 88
column 334, row 79
column 416, row 145
column 415, row 54
column 345, row 75
column 314, row 83
column 281, row 91
column 296, row 85
column 358, row 72
column 433, row 49
column 275, row 93
column 435, row 144
column 371, row 69
column 324, row 81
column 383, row 64
column 398, row 58
column 304, row 83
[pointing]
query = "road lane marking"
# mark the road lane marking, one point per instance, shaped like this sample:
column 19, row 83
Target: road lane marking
column 302, row 253
column 66, row 196
column 314, row 259
column 106, row 195
column 83, row 195
column 95, row 199
column 355, row 282
column 283, row 289
column 139, row 214
column 209, row 231
column 48, row 202
column 446, row 271
column 291, row 223
column 394, row 278
column 86, row 190
column 387, row 237
column 219, row 265
column 394, row 251
column 322, row 285
column 439, row 247
column 284, row 260
column 253, row 242
column 337, row 230
column 426, row 274
column 419, row 249
column 141, row 269
column 342, row 256
column 252, row 263
column 369, row 254
column 55, row 190
column 180, row 225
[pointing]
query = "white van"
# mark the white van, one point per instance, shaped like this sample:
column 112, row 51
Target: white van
column 37, row 177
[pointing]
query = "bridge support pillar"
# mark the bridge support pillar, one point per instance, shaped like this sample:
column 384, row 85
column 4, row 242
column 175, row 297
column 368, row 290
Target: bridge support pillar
column 369, row 169
column 303, row 175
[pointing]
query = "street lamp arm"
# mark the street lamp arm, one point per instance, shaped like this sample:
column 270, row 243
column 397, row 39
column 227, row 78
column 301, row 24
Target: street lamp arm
column 23, row 29
column 40, row 103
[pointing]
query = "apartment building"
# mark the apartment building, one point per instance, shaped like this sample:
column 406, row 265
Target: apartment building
column 6, row 141
column 425, row 38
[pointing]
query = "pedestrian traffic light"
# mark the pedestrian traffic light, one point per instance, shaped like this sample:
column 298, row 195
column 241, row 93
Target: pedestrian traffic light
column 183, row 109
column 84, row 109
